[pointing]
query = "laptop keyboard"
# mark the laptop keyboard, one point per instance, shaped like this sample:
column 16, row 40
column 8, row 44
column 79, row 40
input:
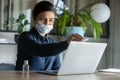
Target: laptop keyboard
column 53, row 71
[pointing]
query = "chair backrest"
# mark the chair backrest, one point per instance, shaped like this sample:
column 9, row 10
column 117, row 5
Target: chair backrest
column 7, row 67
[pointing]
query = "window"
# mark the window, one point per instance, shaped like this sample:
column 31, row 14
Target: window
column 11, row 9
column 58, row 4
column 3, row 14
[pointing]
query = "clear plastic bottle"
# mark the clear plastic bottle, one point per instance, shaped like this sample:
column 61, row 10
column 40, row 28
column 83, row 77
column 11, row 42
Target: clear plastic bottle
column 25, row 68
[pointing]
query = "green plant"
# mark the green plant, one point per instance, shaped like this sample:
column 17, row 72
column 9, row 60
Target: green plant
column 81, row 18
column 20, row 22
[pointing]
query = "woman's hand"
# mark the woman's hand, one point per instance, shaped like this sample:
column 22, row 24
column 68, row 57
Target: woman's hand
column 74, row 37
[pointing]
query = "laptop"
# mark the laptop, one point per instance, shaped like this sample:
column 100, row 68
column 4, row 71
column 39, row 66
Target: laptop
column 80, row 58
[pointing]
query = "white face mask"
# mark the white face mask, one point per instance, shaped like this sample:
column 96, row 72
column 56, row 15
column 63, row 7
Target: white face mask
column 43, row 29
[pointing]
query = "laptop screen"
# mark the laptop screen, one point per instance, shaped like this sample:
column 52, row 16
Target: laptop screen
column 82, row 57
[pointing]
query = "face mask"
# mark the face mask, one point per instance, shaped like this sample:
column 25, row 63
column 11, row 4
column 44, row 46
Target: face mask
column 43, row 29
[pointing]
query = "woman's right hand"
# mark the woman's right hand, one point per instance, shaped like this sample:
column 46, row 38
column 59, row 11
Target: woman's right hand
column 74, row 37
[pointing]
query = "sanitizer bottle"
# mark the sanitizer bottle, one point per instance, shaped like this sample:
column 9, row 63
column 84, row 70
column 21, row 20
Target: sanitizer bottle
column 25, row 68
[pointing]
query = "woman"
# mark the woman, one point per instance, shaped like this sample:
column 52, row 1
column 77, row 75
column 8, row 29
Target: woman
column 41, row 51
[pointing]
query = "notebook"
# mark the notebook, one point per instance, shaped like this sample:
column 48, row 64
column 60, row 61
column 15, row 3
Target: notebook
column 80, row 58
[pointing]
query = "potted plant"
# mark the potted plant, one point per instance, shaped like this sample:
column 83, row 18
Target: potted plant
column 20, row 23
column 81, row 18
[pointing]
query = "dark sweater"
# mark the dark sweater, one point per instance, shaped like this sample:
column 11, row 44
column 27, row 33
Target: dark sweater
column 42, row 53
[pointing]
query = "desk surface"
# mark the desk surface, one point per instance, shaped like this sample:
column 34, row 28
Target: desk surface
column 13, row 75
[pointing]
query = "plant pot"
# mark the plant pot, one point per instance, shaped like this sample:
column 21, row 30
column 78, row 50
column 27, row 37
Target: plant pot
column 72, row 30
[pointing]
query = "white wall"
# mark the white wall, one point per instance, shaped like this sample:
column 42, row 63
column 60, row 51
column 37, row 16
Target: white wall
column 8, row 48
column 7, row 53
